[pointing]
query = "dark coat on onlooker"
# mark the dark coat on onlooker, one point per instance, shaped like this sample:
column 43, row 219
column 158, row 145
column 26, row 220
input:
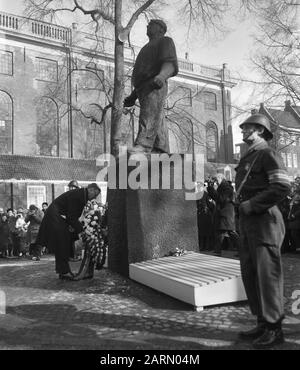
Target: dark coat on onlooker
column 284, row 207
column 12, row 224
column 294, row 222
column 205, row 215
column 4, row 235
column 294, row 214
column 225, row 216
column 35, row 218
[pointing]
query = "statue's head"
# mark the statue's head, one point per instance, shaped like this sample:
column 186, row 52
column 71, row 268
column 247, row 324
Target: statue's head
column 156, row 26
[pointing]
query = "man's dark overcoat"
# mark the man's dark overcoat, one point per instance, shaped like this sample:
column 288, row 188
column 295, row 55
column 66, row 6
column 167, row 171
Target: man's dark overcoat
column 225, row 216
column 54, row 231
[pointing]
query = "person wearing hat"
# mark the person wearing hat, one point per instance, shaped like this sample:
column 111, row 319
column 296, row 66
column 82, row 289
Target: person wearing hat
column 54, row 232
column 34, row 217
column 73, row 185
column 155, row 64
column 261, row 182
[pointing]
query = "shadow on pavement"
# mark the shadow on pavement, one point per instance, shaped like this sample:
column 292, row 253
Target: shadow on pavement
column 41, row 277
column 62, row 326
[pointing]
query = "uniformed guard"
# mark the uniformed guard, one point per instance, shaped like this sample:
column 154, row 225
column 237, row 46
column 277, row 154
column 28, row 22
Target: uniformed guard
column 261, row 183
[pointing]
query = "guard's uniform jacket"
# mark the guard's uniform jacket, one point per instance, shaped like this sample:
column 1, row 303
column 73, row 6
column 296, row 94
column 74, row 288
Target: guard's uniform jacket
column 267, row 183
column 262, row 230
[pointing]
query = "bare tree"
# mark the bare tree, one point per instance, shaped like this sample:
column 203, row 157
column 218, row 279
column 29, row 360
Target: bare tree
column 209, row 14
column 278, row 57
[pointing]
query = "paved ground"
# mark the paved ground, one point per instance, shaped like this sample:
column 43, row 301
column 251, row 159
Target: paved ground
column 111, row 312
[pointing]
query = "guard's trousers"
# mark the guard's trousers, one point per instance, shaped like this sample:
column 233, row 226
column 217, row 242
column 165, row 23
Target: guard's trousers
column 261, row 267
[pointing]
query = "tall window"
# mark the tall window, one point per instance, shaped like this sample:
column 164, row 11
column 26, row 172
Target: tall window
column 283, row 155
column 289, row 159
column 210, row 100
column 36, row 195
column 46, row 70
column 6, row 62
column 6, row 117
column 211, row 141
column 182, row 95
column 295, row 160
column 47, row 127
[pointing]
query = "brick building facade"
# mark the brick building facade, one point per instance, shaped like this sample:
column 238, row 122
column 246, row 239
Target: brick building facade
column 53, row 80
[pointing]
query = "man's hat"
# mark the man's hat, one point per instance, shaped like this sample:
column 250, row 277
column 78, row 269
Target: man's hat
column 93, row 185
column 161, row 23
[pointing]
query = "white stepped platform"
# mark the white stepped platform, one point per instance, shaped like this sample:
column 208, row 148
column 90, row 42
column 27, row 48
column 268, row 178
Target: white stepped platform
column 198, row 279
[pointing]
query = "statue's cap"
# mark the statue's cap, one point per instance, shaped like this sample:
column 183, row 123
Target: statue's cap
column 160, row 22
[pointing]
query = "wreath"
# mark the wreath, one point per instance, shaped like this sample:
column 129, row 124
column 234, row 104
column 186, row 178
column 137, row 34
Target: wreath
column 94, row 235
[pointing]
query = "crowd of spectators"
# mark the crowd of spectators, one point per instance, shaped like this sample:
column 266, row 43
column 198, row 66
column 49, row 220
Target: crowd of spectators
column 218, row 219
column 18, row 231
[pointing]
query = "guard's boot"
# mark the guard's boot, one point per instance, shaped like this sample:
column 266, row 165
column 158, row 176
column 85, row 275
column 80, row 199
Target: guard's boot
column 254, row 333
column 269, row 339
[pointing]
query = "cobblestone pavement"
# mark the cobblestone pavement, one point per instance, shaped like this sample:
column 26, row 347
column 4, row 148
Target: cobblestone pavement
column 112, row 312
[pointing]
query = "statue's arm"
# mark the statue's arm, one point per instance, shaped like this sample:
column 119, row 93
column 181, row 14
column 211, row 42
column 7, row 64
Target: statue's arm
column 168, row 59
column 167, row 71
column 129, row 101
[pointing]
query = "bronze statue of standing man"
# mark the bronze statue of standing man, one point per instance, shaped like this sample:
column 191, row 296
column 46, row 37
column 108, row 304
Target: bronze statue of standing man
column 155, row 63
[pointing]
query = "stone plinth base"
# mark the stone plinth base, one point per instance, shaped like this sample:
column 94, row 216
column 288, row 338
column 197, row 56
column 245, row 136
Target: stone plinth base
column 146, row 224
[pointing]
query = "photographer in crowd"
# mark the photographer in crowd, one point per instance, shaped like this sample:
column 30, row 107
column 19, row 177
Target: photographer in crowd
column 205, row 219
column 221, row 191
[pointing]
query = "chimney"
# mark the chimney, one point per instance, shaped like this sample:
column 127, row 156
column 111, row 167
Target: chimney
column 186, row 56
column 74, row 26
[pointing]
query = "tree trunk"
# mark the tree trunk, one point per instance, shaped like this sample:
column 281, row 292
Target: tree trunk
column 117, row 109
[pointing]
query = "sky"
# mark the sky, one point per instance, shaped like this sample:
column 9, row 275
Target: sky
column 234, row 48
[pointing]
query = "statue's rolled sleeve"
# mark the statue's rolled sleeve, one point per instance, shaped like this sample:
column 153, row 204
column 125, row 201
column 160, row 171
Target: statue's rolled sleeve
column 167, row 53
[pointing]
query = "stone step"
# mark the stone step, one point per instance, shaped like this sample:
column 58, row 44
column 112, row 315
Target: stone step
column 195, row 278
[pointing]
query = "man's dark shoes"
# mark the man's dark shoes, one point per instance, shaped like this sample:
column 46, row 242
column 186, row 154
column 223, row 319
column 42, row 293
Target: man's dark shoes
column 252, row 334
column 269, row 339
column 67, row 276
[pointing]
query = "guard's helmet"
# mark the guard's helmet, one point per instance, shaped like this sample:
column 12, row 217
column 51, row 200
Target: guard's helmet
column 262, row 120
column 73, row 184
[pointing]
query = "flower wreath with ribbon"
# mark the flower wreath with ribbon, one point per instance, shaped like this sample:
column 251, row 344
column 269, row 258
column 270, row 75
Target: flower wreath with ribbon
column 94, row 232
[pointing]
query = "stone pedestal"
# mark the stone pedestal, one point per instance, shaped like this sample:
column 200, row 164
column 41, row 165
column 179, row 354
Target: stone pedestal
column 146, row 224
